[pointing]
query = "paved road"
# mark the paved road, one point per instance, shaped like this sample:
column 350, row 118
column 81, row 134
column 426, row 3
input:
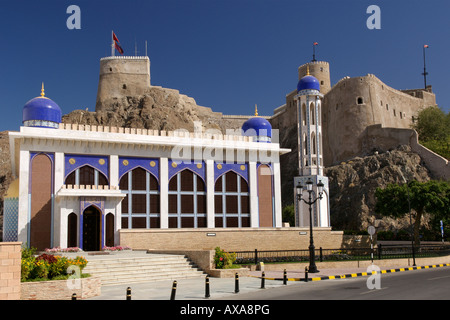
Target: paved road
column 425, row 284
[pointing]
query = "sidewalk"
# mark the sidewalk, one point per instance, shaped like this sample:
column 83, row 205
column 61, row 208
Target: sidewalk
column 194, row 289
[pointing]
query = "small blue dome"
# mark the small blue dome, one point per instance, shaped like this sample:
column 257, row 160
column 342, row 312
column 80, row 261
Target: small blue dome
column 258, row 127
column 308, row 82
column 41, row 112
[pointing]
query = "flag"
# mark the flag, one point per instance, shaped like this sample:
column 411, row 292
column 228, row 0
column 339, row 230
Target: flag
column 117, row 43
column 115, row 38
column 118, row 47
column 426, row 46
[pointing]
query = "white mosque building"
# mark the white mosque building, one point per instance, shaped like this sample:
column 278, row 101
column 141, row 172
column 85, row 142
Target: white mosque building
column 79, row 185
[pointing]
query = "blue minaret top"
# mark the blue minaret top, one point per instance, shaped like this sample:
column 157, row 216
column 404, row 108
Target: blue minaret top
column 41, row 112
column 308, row 82
column 258, row 127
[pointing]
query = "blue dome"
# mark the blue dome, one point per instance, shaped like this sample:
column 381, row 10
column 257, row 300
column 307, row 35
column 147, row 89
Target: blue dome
column 41, row 112
column 308, row 82
column 258, row 127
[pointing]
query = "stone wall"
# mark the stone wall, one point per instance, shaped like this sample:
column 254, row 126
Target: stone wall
column 60, row 290
column 10, row 268
column 230, row 239
column 354, row 104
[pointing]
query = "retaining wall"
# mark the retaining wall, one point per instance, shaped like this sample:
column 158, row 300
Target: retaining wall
column 10, row 268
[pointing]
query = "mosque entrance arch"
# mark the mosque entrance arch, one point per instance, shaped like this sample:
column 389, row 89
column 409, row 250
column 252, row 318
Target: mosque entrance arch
column 91, row 229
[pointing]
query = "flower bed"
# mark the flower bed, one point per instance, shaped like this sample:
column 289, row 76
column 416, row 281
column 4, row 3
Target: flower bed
column 48, row 266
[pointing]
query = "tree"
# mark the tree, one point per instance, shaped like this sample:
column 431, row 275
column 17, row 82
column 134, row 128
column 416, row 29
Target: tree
column 432, row 124
column 431, row 197
column 433, row 127
column 288, row 214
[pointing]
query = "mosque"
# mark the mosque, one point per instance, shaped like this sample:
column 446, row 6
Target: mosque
column 91, row 186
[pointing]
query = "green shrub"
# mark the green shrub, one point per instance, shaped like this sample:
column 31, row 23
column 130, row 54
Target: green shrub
column 47, row 266
column 223, row 259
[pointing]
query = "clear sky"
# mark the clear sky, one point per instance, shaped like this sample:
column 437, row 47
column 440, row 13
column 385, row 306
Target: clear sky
column 227, row 54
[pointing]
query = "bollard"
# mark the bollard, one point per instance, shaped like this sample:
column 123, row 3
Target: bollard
column 284, row 277
column 207, row 295
column 306, row 274
column 236, row 283
column 128, row 293
column 263, row 283
column 74, row 296
column 174, row 290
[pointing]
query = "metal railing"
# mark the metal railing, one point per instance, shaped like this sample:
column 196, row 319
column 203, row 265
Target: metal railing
column 378, row 253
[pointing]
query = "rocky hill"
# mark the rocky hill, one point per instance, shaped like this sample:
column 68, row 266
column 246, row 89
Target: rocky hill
column 353, row 184
column 158, row 109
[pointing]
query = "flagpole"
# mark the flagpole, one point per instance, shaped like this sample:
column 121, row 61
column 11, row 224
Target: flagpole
column 112, row 43
column 314, row 53
column 425, row 73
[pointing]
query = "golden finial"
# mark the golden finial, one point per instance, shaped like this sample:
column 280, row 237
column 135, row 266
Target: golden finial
column 42, row 91
column 307, row 70
column 256, row 110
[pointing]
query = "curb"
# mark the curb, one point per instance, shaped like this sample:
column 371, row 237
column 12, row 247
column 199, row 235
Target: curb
column 354, row 275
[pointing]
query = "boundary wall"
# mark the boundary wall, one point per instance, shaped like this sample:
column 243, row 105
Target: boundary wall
column 229, row 239
column 10, row 269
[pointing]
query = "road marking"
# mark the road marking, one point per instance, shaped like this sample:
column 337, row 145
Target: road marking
column 439, row 278
column 373, row 290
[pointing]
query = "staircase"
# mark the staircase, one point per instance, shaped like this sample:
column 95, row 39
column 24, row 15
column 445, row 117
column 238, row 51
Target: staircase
column 117, row 269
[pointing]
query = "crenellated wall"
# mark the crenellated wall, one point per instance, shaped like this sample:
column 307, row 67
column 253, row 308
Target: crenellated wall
column 354, row 104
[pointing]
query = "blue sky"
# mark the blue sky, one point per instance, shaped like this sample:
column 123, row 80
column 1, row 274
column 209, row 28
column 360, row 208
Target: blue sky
column 227, row 54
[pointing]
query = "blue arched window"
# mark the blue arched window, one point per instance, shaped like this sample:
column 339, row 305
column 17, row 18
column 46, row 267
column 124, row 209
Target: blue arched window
column 141, row 206
column 187, row 200
column 232, row 201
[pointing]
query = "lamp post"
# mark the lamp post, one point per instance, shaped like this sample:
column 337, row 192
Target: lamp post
column 310, row 202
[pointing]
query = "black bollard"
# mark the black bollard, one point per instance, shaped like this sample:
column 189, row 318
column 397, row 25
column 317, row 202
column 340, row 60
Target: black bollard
column 207, row 295
column 284, row 277
column 174, row 290
column 263, row 283
column 74, row 296
column 236, row 283
column 306, row 274
column 128, row 293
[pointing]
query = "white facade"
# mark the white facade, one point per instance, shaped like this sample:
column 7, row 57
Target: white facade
column 310, row 155
column 109, row 157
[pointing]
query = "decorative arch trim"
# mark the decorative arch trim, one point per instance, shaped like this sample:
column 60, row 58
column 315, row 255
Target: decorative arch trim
column 222, row 168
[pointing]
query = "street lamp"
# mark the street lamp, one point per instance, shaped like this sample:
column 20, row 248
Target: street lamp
column 310, row 202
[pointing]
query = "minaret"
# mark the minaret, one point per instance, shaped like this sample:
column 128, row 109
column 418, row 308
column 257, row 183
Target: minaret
column 309, row 105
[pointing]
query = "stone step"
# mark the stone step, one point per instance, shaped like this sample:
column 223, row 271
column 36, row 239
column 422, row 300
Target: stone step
column 119, row 270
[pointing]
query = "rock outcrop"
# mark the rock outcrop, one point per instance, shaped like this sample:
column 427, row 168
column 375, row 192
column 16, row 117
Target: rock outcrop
column 158, row 109
column 353, row 184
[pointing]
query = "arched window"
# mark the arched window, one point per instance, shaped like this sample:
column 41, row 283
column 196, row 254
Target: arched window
column 232, row 201
column 313, row 142
column 304, row 114
column 305, row 144
column 187, row 200
column 72, row 227
column 88, row 176
column 109, row 230
column 140, row 207
column 312, row 108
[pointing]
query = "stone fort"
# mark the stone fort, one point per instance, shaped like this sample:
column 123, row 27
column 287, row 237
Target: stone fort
column 360, row 115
